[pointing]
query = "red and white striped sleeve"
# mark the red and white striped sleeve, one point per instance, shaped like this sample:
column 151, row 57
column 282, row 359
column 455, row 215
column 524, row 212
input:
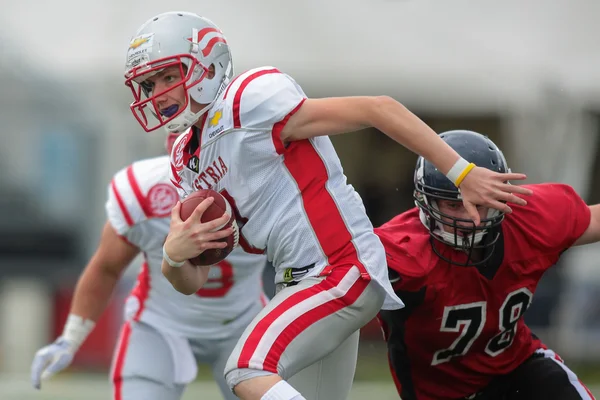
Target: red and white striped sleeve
column 125, row 206
column 264, row 98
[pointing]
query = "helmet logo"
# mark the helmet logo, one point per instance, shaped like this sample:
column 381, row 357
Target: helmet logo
column 139, row 49
column 137, row 42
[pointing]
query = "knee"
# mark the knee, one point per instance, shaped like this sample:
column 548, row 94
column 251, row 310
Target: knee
column 238, row 375
column 254, row 386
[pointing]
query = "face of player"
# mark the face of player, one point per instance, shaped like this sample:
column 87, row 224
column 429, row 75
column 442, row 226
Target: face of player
column 172, row 100
column 456, row 209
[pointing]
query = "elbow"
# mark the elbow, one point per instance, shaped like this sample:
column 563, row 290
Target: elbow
column 186, row 290
column 387, row 102
column 382, row 107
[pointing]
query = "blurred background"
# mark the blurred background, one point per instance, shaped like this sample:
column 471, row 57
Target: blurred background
column 527, row 74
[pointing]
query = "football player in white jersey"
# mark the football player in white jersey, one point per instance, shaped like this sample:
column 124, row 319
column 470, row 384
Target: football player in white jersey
column 165, row 333
column 259, row 141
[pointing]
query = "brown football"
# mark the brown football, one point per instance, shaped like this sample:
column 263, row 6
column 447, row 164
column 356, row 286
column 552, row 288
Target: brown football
column 216, row 210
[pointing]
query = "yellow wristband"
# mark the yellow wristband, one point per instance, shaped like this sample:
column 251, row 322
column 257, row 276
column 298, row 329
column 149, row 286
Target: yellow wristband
column 464, row 173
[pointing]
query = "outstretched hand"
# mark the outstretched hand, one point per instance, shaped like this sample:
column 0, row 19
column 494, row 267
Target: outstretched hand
column 490, row 189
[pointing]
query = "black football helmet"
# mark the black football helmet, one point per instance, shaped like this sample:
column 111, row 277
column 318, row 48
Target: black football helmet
column 432, row 185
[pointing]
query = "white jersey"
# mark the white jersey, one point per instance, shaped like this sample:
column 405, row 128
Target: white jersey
column 140, row 198
column 292, row 202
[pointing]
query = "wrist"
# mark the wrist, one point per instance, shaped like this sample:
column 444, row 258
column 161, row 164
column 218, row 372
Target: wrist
column 170, row 261
column 77, row 329
column 459, row 171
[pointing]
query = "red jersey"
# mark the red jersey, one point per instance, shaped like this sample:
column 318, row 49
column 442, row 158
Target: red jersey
column 462, row 326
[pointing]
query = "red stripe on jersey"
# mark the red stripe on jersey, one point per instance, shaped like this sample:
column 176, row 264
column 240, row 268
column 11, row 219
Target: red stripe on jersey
column 278, row 127
column 141, row 291
column 142, row 288
column 310, row 173
column 238, row 95
column 587, row 390
column 229, row 86
column 117, row 376
column 138, row 192
column 121, row 204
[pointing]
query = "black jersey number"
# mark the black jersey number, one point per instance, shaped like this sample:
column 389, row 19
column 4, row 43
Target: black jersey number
column 512, row 310
column 469, row 320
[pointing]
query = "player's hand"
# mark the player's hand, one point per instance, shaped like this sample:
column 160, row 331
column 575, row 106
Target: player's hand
column 189, row 238
column 51, row 359
column 490, row 189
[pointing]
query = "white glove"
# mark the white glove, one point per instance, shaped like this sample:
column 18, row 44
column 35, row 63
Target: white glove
column 51, row 359
column 57, row 356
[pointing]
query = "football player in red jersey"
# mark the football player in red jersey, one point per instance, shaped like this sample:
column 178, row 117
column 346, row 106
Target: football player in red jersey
column 466, row 287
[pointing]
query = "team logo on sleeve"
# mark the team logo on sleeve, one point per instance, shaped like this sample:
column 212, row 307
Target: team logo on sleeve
column 161, row 199
column 178, row 152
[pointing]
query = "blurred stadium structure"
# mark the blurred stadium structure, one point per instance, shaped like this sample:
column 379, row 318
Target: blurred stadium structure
column 525, row 73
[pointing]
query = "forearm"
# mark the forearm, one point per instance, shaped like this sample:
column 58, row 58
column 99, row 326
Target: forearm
column 335, row 115
column 93, row 292
column 397, row 122
column 188, row 278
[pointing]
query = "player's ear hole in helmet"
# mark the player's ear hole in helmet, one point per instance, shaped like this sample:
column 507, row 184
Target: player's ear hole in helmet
column 433, row 188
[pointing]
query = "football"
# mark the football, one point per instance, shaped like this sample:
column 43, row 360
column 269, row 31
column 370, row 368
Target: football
column 216, row 210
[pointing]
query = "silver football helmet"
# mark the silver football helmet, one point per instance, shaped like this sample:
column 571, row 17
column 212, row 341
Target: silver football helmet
column 183, row 39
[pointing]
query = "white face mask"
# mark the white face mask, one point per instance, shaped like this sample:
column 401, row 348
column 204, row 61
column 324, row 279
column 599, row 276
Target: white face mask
column 449, row 237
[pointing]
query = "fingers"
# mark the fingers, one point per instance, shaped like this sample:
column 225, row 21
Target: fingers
column 216, row 223
column 472, row 210
column 516, row 189
column 505, row 208
column 176, row 212
column 213, row 245
column 511, row 198
column 196, row 216
column 37, row 367
column 58, row 364
column 505, row 197
column 217, row 235
column 512, row 176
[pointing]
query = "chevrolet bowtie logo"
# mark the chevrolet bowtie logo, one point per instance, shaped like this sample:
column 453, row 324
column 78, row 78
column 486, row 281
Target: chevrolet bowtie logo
column 137, row 42
column 214, row 120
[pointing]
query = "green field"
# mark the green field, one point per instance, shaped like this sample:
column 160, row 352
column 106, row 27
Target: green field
column 372, row 381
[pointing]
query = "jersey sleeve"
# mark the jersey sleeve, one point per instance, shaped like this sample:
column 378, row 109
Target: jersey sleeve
column 556, row 216
column 406, row 272
column 123, row 210
column 265, row 99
